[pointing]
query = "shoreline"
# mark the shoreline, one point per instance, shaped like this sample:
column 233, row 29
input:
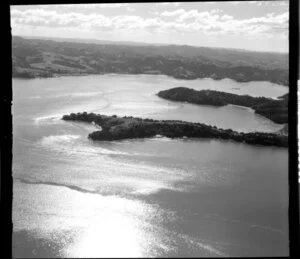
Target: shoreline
column 103, row 73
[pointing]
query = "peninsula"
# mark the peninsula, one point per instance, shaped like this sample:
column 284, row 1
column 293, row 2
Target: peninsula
column 118, row 128
column 275, row 110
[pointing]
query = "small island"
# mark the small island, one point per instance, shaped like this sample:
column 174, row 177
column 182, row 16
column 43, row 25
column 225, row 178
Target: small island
column 275, row 110
column 128, row 127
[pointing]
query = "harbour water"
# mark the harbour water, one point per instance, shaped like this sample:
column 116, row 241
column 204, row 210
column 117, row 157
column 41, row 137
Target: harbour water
column 145, row 197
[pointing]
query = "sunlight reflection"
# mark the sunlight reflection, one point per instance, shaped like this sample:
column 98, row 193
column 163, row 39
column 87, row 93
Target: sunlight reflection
column 109, row 235
column 109, row 223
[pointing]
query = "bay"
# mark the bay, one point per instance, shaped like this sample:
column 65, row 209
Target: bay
column 146, row 197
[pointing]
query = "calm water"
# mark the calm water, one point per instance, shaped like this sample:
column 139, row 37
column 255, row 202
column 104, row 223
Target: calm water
column 143, row 198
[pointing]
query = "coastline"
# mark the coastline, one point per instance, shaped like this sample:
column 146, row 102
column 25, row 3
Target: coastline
column 115, row 73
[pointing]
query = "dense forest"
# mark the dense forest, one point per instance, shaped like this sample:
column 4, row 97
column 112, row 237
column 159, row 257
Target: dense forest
column 275, row 110
column 47, row 58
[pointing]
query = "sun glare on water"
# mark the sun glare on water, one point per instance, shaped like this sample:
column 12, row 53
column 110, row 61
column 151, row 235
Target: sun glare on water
column 115, row 236
column 111, row 227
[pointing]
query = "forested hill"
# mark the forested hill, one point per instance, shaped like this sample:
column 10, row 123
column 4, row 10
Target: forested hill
column 46, row 58
column 275, row 110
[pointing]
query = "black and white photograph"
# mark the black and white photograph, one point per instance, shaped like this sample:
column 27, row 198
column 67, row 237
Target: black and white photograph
column 155, row 129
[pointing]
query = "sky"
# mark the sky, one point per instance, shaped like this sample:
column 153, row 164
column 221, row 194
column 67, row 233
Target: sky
column 251, row 25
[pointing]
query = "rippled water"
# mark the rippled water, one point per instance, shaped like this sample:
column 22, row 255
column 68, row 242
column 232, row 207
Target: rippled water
column 146, row 197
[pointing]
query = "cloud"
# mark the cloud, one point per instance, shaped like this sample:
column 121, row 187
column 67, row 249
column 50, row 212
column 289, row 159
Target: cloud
column 85, row 7
column 213, row 22
column 226, row 17
column 130, row 9
column 236, row 3
column 270, row 3
column 173, row 13
column 168, row 4
column 262, row 3
column 90, row 6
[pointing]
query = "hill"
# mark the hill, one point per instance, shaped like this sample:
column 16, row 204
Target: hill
column 275, row 110
column 47, row 58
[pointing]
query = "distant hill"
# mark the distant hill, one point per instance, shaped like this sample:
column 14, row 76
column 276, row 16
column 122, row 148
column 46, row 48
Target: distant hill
column 46, row 58
column 90, row 41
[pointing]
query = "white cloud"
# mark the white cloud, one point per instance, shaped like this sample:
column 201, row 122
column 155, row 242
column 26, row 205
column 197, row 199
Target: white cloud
column 191, row 21
column 130, row 9
column 216, row 11
column 168, row 3
column 173, row 13
column 90, row 6
column 270, row 3
column 102, row 6
column 262, row 2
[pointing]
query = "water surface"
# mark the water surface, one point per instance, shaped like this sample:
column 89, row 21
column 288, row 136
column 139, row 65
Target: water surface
column 146, row 197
